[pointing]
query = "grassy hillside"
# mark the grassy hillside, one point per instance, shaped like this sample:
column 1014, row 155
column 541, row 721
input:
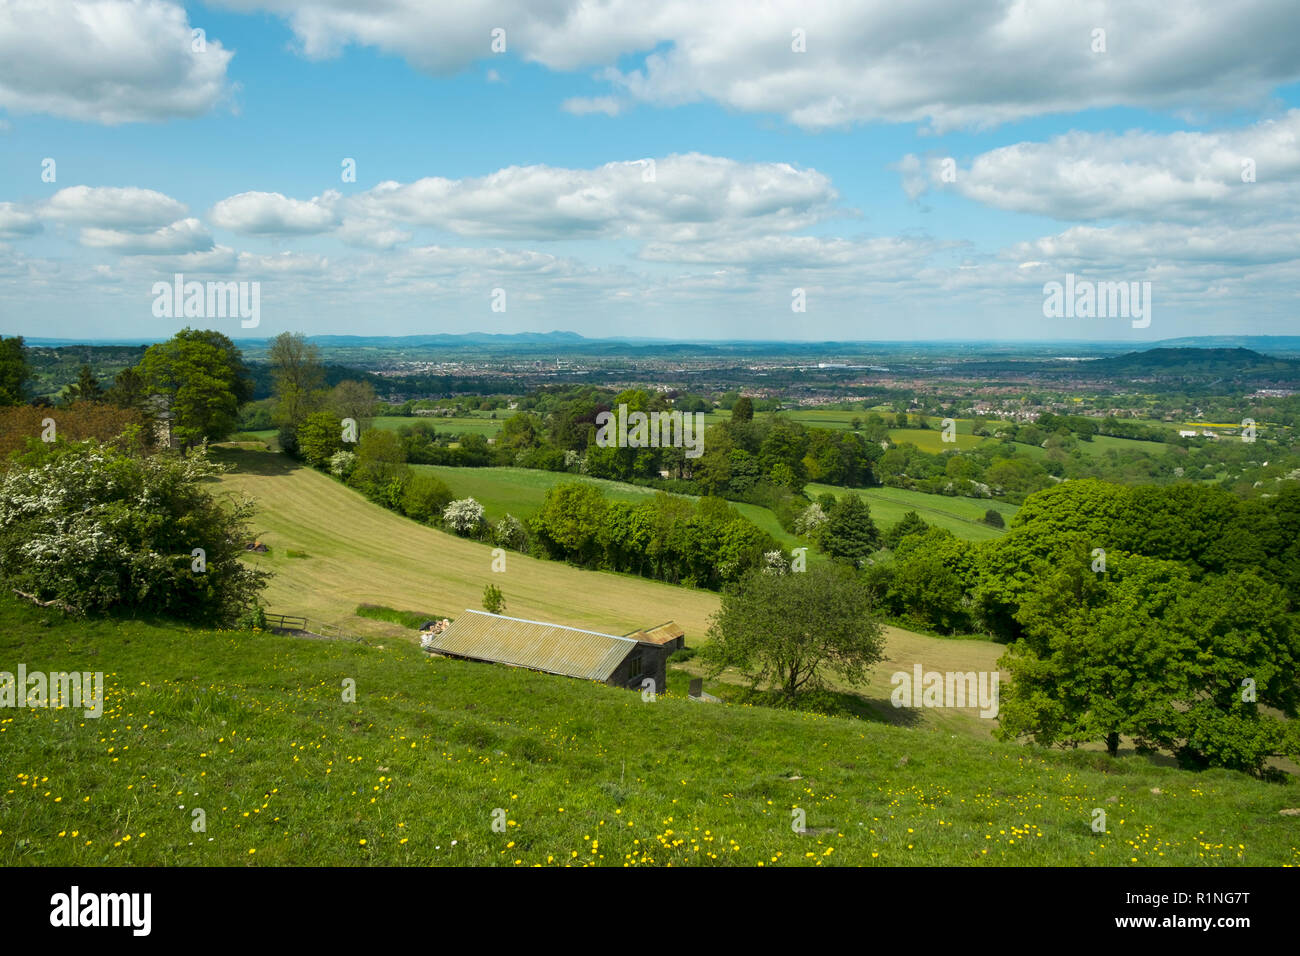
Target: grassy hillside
column 363, row 554
column 253, row 730
column 962, row 516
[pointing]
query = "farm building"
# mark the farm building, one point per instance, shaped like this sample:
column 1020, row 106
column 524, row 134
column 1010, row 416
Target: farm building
column 669, row 635
column 557, row 649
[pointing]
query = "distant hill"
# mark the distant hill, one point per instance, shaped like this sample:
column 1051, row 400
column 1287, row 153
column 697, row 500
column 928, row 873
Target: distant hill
column 1286, row 346
column 1228, row 364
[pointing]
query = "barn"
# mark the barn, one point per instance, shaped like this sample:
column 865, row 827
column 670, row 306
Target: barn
column 554, row 649
column 669, row 635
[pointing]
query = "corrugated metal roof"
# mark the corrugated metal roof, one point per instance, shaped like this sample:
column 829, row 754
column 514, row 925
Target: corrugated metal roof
column 668, row 631
column 553, row 648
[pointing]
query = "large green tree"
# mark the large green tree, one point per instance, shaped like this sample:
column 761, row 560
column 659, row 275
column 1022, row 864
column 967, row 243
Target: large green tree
column 201, row 377
column 1146, row 652
column 849, row 532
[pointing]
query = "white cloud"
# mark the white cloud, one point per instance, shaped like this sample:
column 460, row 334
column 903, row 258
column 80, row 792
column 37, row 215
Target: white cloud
column 585, row 105
column 106, row 61
column 1184, row 176
column 186, row 235
column 16, row 222
column 948, row 62
column 690, row 197
column 113, row 207
column 258, row 213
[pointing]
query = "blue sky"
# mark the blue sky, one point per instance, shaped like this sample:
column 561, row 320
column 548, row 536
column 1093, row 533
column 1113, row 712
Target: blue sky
column 775, row 168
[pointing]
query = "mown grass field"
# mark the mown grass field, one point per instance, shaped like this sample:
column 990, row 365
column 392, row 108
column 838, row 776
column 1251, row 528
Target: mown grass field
column 964, row 517
column 464, row 424
column 521, row 492
column 253, row 731
column 360, row 553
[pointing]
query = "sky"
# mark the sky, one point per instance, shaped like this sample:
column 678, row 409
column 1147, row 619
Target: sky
column 730, row 170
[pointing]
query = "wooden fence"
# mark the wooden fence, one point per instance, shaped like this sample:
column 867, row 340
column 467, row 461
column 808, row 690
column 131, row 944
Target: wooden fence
column 295, row 622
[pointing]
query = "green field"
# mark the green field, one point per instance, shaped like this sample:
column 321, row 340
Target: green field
column 962, row 516
column 471, row 424
column 1101, row 444
column 364, row 554
column 521, row 491
column 254, row 733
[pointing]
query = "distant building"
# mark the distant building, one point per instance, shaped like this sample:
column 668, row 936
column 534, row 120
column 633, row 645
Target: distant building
column 558, row 649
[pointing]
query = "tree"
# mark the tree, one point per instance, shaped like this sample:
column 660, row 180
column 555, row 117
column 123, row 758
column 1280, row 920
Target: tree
column 98, row 528
column 994, row 518
column 381, row 471
column 354, row 400
column 911, row 523
column 849, row 532
column 14, row 370
column 320, row 436
column 1144, row 651
column 129, row 390
column 297, row 374
column 201, row 376
column 426, row 497
column 85, row 389
column 570, row 519
column 494, row 601
column 933, row 575
column 743, row 409
column 788, row 630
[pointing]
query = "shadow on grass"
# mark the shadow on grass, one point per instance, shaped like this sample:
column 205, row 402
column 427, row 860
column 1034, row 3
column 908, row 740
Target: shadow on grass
column 828, row 703
column 254, row 461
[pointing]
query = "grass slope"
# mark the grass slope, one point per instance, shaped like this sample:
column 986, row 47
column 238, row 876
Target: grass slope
column 964, row 517
column 253, row 730
column 362, row 554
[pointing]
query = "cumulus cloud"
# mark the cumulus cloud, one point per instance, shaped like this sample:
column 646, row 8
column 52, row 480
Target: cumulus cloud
column 107, row 61
column 947, row 62
column 1249, row 173
column 186, row 235
column 678, row 198
column 258, row 213
column 16, row 222
column 113, row 207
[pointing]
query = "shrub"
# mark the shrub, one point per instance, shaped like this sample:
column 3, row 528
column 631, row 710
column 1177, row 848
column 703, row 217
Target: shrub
column 494, row 601
column 342, row 463
column 465, row 516
column 97, row 528
column 994, row 518
column 425, row 497
column 510, row 533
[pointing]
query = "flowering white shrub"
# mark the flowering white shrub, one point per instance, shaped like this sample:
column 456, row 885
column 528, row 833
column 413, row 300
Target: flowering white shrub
column 774, row 563
column 463, row 516
column 342, row 463
column 809, row 520
column 510, row 533
column 96, row 527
